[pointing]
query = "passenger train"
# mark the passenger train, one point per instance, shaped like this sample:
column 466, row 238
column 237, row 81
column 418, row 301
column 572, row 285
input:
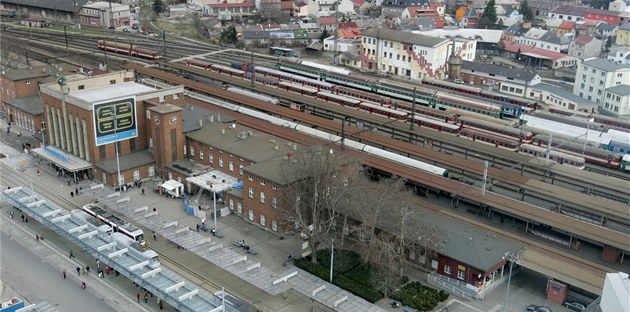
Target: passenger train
column 129, row 49
column 590, row 153
column 117, row 224
column 555, row 156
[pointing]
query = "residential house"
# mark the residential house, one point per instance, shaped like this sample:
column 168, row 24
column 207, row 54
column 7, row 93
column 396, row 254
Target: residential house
column 610, row 17
column 619, row 55
column 587, row 27
column 560, row 26
column 18, row 93
column 561, row 98
column 461, row 11
column 544, row 39
column 59, row 10
column 617, row 6
column 572, row 13
column 230, row 11
column 513, row 81
column 513, row 32
column 395, row 8
column 542, row 8
column 322, row 8
column 616, row 101
column 328, row 23
column 104, row 14
column 585, row 46
column 348, row 30
column 508, row 11
column 418, row 11
column 418, row 23
column 300, row 9
column 405, row 54
column 623, row 35
column 595, row 75
column 470, row 19
column 360, row 6
column 605, row 30
column 481, row 41
column 177, row 10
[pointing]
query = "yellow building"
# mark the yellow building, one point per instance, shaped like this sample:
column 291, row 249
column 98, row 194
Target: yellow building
column 623, row 35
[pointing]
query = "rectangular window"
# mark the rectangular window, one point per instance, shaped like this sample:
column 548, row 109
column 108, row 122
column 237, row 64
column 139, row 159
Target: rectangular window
column 262, row 182
column 201, row 153
column 250, row 215
column 231, row 204
column 192, row 151
column 174, row 144
column 211, row 158
column 240, row 169
column 151, row 171
column 101, row 152
column 239, row 208
column 221, row 161
column 262, row 220
column 132, row 144
column 185, row 149
column 263, row 199
column 460, row 274
column 274, row 202
column 251, row 192
column 274, row 225
column 136, row 175
column 447, row 269
column 231, row 165
column 274, row 187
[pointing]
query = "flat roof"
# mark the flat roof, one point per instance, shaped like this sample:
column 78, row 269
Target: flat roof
column 108, row 92
column 214, row 181
column 62, row 158
column 129, row 161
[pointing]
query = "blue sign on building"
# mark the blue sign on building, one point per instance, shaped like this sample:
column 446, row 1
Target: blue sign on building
column 115, row 120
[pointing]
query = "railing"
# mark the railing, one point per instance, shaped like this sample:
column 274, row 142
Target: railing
column 453, row 286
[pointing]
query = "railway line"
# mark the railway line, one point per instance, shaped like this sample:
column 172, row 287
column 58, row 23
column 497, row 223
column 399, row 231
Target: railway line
column 18, row 178
column 428, row 138
column 593, row 274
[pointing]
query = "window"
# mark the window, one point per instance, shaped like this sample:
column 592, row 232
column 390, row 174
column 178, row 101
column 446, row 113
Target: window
column 28, row 82
column 274, row 225
column 211, row 158
column 251, row 178
column 220, row 161
column 250, row 214
column 231, row 165
column 262, row 182
column 101, row 152
column 81, row 87
column 111, row 82
column 274, row 202
column 262, row 220
column 263, row 199
column 274, row 187
column 136, row 175
column 161, row 98
column 239, row 208
column 185, row 149
column 240, row 169
column 460, row 274
column 151, row 171
column 231, row 204
column 447, row 269
column 201, row 153
column 192, row 151
column 251, row 192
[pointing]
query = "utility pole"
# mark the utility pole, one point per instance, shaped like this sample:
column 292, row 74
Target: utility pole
column 413, row 109
column 334, row 57
column 65, row 34
column 164, row 45
column 253, row 72
column 111, row 17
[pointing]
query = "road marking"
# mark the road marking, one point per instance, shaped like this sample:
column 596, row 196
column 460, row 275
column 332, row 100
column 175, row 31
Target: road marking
column 464, row 304
column 200, row 55
column 495, row 308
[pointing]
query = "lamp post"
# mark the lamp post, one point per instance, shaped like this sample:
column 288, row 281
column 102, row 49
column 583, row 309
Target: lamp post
column 588, row 126
column 511, row 257
column 115, row 121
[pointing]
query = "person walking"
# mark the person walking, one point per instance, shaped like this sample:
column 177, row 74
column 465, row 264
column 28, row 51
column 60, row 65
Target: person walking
column 71, row 254
column 87, row 269
column 79, row 271
column 64, row 274
column 39, row 173
column 146, row 297
column 143, row 191
column 98, row 264
column 154, row 236
column 160, row 304
column 138, row 297
column 76, row 191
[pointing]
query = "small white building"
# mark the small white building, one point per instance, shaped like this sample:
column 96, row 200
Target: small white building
column 595, row 75
column 616, row 101
column 104, row 14
column 585, row 46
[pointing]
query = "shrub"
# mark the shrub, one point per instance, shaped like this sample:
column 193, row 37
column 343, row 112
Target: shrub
column 367, row 293
column 419, row 297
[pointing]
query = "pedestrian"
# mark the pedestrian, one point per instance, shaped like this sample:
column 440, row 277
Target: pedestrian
column 68, row 180
column 64, row 274
column 41, row 236
column 98, row 264
column 160, row 304
column 154, row 209
column 11, row 214
column 87, row 269
column 22, row 217
column 39, row 173
column 107, row 270
column 26, row 219
column 76, row 191
column 138, row 297
column 71, row 254
column 71, row 194
column 197, row 227
column 154, row 236
column 100, row 273
column 146, row 297
column 37, row 237
column 143, row 191
column 79, row 271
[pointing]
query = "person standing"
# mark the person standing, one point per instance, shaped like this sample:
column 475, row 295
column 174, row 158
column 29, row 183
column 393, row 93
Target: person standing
column 87, row 269
column 143, row 191
column 79, row 271
column 71, row 255
column 146, row 297
column 160, row 304
column 138, row 297
column 64, row 274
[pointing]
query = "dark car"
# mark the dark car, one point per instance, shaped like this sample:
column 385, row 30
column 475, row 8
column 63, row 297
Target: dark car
column 537, row 308
column 575, row 305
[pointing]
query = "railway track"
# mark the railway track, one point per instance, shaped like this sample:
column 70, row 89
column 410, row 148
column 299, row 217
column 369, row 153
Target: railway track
column 18, row 178
column 499, row 158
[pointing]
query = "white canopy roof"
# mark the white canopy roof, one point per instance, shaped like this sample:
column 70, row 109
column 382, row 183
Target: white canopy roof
column 171, row 185
column 214, row 181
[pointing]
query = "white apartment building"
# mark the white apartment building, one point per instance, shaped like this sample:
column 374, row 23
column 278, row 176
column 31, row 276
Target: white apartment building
column 100, row 14
column 616, row 101
column 410, row 55
column 544, row 39
column 595, row 75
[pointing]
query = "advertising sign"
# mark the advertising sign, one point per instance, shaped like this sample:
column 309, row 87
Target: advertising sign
column 115, row 120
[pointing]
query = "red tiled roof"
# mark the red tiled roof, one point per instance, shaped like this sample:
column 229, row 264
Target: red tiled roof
column 583, row 39
column 525, row 49
column 327, row 20
column 232, row 5
column 358, row 3
column 436, row 5
column 566, row 25
column 589, row 23
column 348, row 25
column 349, row 33
column 286, row 5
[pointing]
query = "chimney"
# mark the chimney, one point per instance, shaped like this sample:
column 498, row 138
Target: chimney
column 275, row 147
column 200, row 122
column 222, row 130
column 294, row 147
column 211, row 118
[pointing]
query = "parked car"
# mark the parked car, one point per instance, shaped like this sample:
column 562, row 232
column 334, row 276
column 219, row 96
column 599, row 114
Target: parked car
column 537, row 308
column 575, row 305
column 126, row 29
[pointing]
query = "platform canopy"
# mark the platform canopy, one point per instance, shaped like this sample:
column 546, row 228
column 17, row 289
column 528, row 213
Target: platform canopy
column 61, row 158
column 214, row 181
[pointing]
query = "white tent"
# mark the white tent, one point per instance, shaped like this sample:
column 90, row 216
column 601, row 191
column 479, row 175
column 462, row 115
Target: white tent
column 173, row 188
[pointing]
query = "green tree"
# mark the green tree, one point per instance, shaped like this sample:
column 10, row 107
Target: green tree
column 325, row 34
column 526, row 10
column 609, row 42
column 158, row 6
column 489, row 17
column 229, row 35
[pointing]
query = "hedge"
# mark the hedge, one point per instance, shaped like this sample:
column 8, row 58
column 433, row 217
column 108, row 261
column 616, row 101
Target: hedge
column 419, row 297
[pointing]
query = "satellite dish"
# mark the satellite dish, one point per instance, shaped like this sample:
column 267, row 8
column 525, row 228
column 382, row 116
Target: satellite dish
column 61, row 80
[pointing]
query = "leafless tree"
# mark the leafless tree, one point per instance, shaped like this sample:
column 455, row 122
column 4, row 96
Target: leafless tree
column 318, row 183
column 269, row 12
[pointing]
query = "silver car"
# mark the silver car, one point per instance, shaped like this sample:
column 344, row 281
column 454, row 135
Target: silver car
column 575, row 306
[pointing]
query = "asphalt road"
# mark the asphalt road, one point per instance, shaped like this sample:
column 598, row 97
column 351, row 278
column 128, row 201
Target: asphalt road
column 33, row 278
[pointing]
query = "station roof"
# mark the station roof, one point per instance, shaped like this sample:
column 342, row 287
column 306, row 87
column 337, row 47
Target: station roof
column 128, row 161
column 62, row 158
column 214, row 181
column 108, row 92
column 29, row 104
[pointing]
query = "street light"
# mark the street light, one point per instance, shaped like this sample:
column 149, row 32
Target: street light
column 588, row 125
column 511, row 257
column 115, row 121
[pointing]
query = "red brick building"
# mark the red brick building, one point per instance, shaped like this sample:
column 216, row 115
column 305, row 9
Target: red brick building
column 20, row 83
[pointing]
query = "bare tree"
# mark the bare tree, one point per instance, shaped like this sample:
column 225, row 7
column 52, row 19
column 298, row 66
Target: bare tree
column 317, row 184
column 269, row 12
